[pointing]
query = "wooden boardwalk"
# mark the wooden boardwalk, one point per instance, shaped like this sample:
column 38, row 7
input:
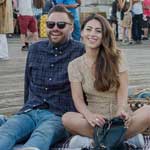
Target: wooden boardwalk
column 12, row 72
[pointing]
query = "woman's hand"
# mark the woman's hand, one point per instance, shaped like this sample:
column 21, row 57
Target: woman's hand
column 95, row 119
column 124, row 115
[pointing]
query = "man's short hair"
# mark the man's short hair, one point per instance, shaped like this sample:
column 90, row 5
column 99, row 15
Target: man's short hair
column 61, row 9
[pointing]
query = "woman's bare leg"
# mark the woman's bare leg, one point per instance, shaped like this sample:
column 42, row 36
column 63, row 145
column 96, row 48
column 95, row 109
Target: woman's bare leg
column 123, row 34
column 77, row 124
column 140, row 121
column 129, row 34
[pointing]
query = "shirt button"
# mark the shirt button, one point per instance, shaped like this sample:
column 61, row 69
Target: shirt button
column 44, row 100
column 46, row 89
column 52, row 65
column 56, row 48
column 55, row 55
column 60, row 52
column 50, row 79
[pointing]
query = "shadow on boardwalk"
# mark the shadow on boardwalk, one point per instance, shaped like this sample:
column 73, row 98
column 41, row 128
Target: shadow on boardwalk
column 12, row 72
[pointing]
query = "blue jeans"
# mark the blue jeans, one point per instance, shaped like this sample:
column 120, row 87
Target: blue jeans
column 43, row 127
column 3, row 119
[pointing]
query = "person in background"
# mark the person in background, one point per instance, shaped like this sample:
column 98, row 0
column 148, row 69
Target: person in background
column 6, row 26
column 27, row 22
column 47, row 93
column 127, row 25
column 38, row 6
column 14, row 5
column 146, row 19
column 100, row 78
column 72, row 6
column 15, row 16
column 137, row 17
column 48, row 5
column 124, row 10
column 113, row 17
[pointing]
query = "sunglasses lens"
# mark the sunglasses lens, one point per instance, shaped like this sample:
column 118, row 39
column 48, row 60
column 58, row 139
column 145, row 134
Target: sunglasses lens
column 61, row 25
column 50, row 24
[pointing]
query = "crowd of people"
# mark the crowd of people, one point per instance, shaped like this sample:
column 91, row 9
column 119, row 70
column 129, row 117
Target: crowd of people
column 70, row 86
column 130, row 20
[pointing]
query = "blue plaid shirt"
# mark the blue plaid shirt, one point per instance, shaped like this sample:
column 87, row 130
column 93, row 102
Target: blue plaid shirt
column 46, row 77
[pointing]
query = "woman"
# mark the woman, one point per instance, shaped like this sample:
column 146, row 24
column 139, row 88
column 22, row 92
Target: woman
column 101, row 75
column 127, row 25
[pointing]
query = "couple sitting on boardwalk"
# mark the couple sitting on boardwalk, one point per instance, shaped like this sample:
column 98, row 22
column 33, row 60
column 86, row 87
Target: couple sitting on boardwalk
column 61, row 69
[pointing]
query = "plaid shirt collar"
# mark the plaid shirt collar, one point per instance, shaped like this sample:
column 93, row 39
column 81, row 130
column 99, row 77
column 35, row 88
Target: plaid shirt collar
column 61, row 47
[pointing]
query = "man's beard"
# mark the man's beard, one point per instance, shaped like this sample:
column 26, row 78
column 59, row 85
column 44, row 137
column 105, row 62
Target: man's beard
column 61, row 41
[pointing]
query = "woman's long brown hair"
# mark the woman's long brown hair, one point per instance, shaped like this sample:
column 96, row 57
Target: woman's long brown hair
column 107, row 62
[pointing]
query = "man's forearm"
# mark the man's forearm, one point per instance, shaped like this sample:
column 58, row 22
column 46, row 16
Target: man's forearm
column 70, row 6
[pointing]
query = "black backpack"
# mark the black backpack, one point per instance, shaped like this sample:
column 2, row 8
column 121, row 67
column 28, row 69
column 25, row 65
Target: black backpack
column 111, row 136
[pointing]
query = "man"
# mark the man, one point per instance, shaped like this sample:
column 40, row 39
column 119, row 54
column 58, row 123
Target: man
column 47, row 88
column 137, row 16
column 27, row 23
column 72, row 6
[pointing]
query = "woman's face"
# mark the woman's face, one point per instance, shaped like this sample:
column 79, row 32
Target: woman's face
column 92, row 34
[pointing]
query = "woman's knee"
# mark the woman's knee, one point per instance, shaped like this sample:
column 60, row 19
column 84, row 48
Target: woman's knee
column 65, row 118
column 144, row 113
column 146, row 108
column 70, row 117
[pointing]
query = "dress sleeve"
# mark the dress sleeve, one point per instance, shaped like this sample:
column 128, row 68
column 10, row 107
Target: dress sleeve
column 123, row 63
column 74, row 72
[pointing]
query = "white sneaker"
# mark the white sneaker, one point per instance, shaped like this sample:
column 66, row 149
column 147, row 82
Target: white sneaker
column 137, row 140
column 80, row 142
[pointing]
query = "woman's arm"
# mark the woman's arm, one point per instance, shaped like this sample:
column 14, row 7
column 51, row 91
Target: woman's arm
column 130, row 6
column 121, row 3
column 78, row 98
column 122, row 92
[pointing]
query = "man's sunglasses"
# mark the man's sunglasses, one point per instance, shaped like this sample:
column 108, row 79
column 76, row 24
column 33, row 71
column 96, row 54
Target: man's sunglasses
column 60, row 24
